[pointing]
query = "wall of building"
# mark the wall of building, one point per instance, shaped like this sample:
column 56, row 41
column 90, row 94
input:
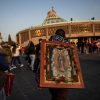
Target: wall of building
column 74, row 30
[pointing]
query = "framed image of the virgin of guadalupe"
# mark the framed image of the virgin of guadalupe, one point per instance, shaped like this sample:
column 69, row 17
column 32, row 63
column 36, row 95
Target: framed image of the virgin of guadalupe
column 60, row 66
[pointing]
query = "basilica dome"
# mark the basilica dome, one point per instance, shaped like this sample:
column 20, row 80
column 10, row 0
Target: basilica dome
column 52, row 18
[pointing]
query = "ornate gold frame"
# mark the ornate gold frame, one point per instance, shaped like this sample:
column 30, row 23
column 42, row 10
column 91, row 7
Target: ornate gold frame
column 60, row 66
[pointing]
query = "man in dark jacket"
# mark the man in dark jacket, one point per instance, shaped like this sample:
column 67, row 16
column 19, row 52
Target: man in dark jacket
column 37, row 54
column 56, row 93
column 37, row 62
column 4, row 66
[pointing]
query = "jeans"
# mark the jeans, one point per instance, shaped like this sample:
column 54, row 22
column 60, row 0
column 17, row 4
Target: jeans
column 16, row 60
column 32, row 57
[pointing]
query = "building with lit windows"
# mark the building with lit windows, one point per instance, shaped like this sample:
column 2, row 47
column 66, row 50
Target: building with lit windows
column 75, row 30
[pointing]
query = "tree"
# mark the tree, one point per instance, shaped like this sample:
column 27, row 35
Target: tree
column 9, row 40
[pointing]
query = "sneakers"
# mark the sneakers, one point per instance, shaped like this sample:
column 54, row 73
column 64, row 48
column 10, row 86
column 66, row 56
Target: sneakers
column 21, row 65
column 12, row 67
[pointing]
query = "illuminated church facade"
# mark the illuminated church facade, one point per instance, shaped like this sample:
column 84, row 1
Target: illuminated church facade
column 75, row 30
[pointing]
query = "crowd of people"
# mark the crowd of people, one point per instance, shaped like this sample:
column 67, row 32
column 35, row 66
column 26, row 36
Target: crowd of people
column 10, row 59
column 88, row 47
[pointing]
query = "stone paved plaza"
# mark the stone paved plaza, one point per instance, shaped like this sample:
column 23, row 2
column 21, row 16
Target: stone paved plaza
column 25, row 87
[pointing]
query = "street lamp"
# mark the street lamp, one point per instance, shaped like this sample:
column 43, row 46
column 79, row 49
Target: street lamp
column 93, row 18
